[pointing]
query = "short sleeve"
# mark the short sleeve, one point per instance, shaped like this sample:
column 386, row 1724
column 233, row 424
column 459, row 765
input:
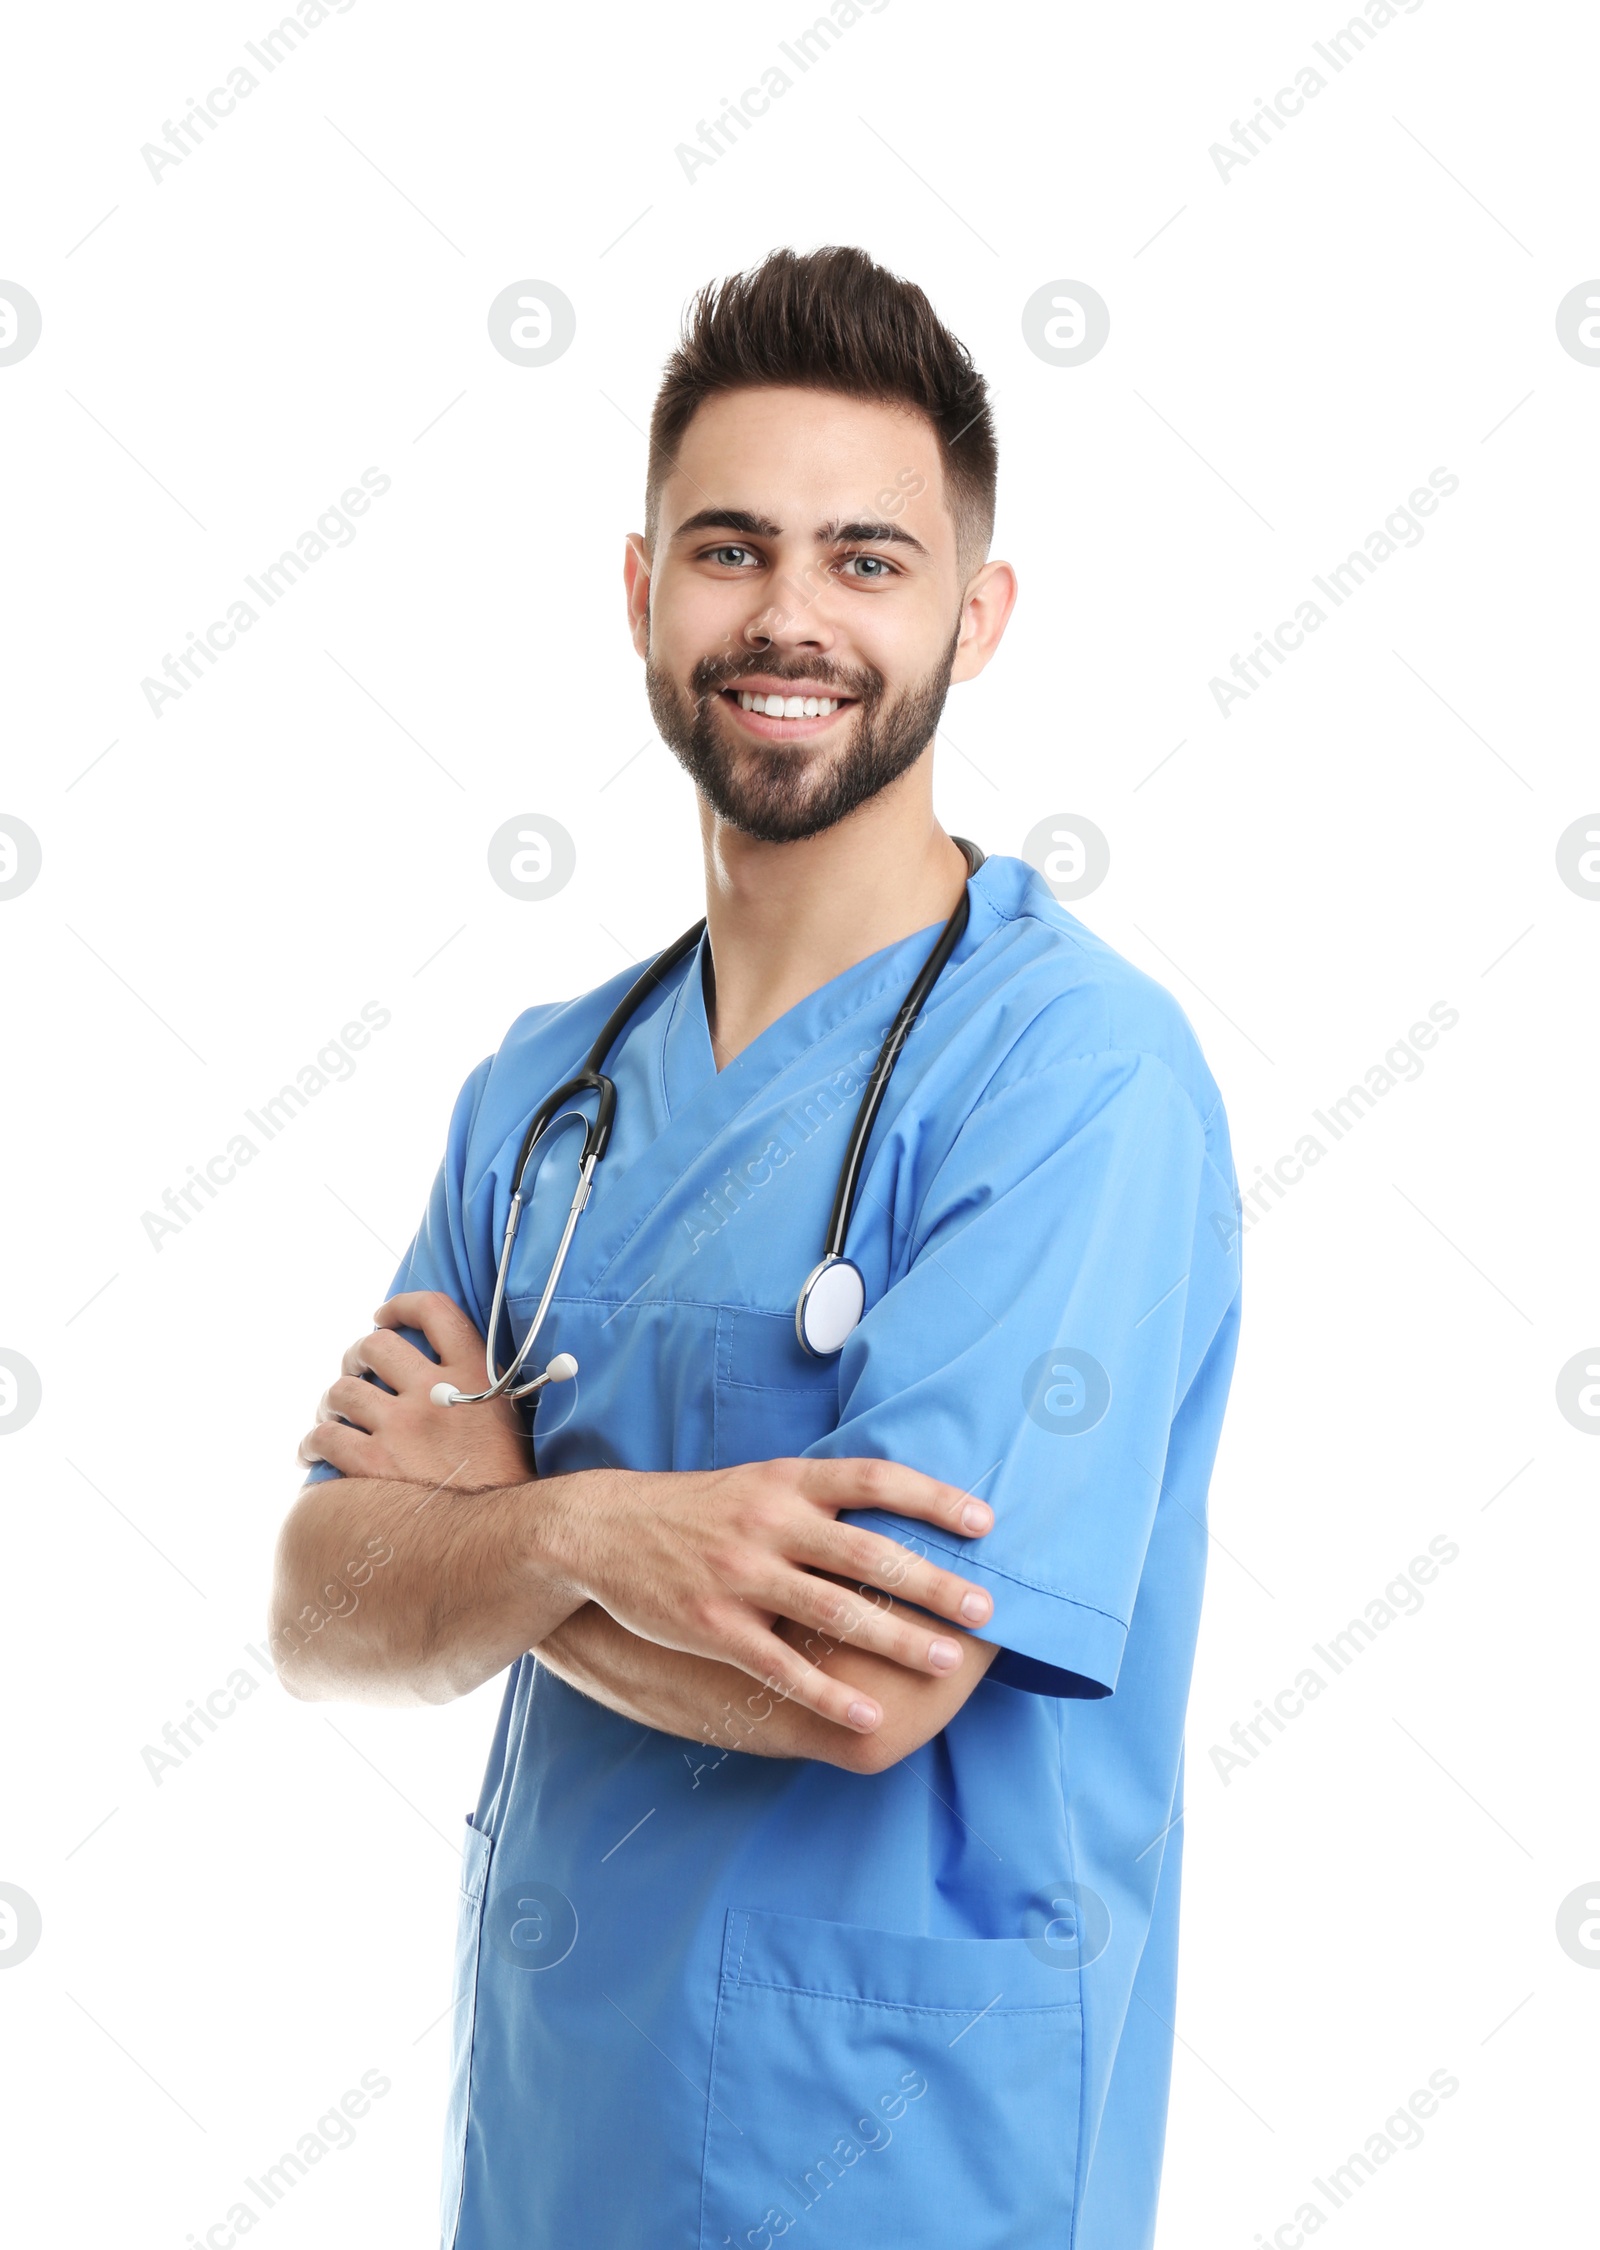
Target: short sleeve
column 440, row 1256
column 1064, row 1288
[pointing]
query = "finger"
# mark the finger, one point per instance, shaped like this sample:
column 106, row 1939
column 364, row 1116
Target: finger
column 357, row 1401
column 867, row 1483
column 786, row 1673
column 829, row 1615
column 352, row 1452
column 386, row 1355
column 867, row 1558
column 447, row 1328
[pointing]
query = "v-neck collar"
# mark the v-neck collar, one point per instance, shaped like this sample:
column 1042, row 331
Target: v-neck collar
column 700, row 1102
column 688, row 1061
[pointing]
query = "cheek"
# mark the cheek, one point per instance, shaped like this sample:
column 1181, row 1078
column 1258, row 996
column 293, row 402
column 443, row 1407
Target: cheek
column 692, row 617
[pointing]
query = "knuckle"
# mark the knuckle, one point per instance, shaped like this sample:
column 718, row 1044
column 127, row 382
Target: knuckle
column 747, row 1514
column 763, row 1514
column 723, row 1562
column 767, row 1483
column 763, row 1662
column 812, row 1644
column 705, row 1614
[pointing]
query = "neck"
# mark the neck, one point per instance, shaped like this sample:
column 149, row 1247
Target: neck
column 784, row 919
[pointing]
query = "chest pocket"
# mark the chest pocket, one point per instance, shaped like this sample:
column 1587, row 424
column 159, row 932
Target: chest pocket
column 772, row 1398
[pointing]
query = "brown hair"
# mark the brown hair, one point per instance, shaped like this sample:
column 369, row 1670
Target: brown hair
column 834, row 320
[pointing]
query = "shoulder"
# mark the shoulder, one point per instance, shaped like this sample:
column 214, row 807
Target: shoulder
column 543, row 1046
column 1069, row 998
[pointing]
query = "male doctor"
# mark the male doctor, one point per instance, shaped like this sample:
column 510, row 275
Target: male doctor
column 824, row 1877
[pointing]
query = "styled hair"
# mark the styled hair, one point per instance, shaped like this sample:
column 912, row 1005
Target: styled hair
column 834, row 320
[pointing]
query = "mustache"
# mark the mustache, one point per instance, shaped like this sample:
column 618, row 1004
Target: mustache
column 710, row 677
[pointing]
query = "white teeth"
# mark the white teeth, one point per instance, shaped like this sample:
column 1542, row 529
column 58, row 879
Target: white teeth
column 789, row 706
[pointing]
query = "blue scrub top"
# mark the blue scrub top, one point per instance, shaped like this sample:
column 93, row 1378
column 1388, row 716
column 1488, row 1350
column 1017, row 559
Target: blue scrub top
column 709, row 1998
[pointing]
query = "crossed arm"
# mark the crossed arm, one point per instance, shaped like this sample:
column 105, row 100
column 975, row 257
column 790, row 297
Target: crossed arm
column 727, row 1607
column 722, row 1707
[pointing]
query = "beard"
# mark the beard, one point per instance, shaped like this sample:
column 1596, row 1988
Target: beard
column 778, row 794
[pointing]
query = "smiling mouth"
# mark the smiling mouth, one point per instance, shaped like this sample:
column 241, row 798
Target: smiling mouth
column 780, row 718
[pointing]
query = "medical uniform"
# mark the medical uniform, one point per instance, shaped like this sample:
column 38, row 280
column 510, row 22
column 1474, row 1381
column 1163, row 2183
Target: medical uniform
column 707, row 1998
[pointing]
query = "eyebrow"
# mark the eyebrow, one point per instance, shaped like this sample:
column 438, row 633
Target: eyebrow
column 862, row 531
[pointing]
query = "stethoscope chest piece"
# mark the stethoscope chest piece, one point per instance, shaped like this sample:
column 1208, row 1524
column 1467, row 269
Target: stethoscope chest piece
column 831, row 1304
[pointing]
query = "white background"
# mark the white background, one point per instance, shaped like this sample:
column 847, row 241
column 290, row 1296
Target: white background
column 1291, row 352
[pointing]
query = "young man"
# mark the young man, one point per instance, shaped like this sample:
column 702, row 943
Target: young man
column 824, row 1877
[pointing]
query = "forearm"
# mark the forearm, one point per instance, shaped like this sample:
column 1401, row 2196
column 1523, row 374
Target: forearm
column 391, row 1592
column 722, row 1707
column 435, row 1558
column 716, row 1705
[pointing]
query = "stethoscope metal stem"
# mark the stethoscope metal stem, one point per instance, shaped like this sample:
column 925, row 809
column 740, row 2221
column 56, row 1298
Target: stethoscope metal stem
column 597, row 1133
column 500, row 1386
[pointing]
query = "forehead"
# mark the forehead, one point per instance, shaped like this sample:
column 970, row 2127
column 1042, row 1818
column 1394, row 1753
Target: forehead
column 806, row 457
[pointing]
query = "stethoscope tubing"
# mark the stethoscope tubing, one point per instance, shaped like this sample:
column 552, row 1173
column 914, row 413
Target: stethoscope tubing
column 899, row 1032
column 597, row 1132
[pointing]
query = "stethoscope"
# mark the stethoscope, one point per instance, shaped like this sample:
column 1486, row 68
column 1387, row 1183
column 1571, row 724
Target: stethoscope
column 835, row 1291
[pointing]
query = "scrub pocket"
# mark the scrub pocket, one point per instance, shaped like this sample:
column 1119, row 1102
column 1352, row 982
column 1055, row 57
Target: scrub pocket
column 469, row 1925
column 772, row 1398
column 889, row 2090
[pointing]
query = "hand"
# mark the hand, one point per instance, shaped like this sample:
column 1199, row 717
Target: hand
column 707, row 1561
column 714, row 1704
column 399, row 1433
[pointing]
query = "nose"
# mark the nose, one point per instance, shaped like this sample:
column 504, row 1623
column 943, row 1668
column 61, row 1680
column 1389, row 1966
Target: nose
column 794, row 616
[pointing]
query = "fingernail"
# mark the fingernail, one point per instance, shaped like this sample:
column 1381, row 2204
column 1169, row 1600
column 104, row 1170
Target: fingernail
column 975, row 1516
column 975, row 1607
column 862, row 1714
column 944, row 1656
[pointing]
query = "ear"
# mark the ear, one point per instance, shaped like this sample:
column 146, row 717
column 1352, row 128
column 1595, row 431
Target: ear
column 986, row 608
column 636, row 582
